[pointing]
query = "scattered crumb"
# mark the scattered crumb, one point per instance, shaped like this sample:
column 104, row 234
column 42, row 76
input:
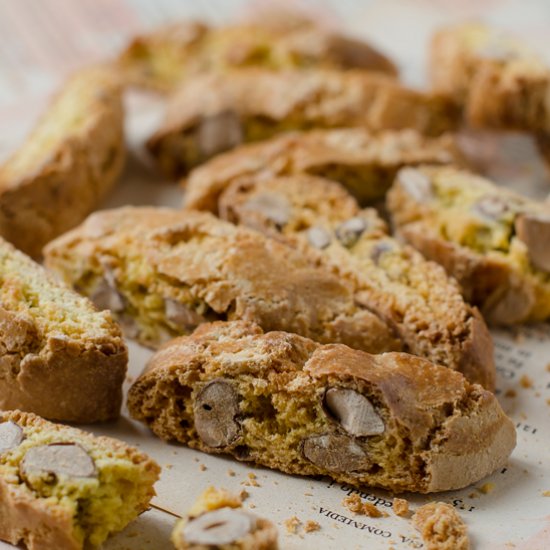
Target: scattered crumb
column 230, row 473
column 441, row 527
column 548, row 401
column 526, row 382
column 202, row 467
column 251, row 481
column 213, row 498
column 311, row 526
column 168, row 466
column 473, row 495
column 252, row 505
column 292, row 524
column 244, row 495
column 486, row 488
column 548, row 367
column 401, row 507
column 510, row 393
column 519, row 337
column 196, row 459
column 546, row 493
column 354, row 504
column 308, row 494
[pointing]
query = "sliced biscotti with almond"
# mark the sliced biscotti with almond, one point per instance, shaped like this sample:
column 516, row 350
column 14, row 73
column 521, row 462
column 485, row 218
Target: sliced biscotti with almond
column 59, row 356
column 217, row 521
column 415, row 296
column 159, row 60
column 164, row 271
column 394, row 420
column 213, row 113
column 68, row 163
column 62, row 488
column 365, row 163
column 493, row 241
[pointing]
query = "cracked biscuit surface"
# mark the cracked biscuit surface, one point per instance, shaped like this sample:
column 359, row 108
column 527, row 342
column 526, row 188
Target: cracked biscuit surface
column 415, row 296
column 213, row 113
column 162, row 272
column 394, row 420
column 62, row 488
column 493, row 241
column 59, row 356
column 365, row 163
column 68, row 163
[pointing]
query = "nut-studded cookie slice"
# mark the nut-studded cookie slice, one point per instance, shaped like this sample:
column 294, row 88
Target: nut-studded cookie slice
column 59, row 356
column 68, row 163
column 363, row 162
column 493, row 241
column 394, row 420
column 213, row 113
column 218, row 521
column 414, row 295
column 163, row 272
column 161, row 59
column 62, row 488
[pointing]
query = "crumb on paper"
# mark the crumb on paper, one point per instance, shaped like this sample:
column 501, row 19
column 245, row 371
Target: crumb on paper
column 202, row 467
column 548, row 367
column 354, row 504
column 231, row 473
column 510, row 393
column 401, row 507
column 308, row 494
column 168, row 466
column 311, row 526
column 251, row 482
column 213, row 498
column 244, row 494
column 252, row 505
column 292, row 524
column 473, row 495
column 526, row 382
column 441, row 527
column 486, row 488
column 548, row 401
column 546, row 493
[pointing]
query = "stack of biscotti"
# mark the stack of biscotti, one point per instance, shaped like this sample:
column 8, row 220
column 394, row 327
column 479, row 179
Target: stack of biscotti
column 64, row 489
column 213, row 113
column 493, row 241
column 161, row 59
column 500, row 83
column 365, row 163
column 68, row 163
column 59, row 356
column 280, row 400
column 164, row 272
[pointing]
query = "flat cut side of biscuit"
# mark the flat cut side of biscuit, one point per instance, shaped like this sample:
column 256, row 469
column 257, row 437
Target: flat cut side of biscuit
column 64, row 488
column 59, row 356
column 394, row 420
column 68, row 163
column 163, row 272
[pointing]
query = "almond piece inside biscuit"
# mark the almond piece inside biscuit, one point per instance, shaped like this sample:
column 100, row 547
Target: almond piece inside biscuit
column 215, row 410
column 416, row 184
column 335, row 453
column 534, row 230
column 318, row 237
column 349, row 231
column 223, row 526
column 273, row 206
column 219, row 132
column 354, row 412
column 11, row 436
column 180, row 315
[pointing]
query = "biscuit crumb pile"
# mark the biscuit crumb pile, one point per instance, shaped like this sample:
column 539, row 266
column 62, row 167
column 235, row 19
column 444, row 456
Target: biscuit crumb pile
column 441, row 527
column 401, row 507
column 354, row 504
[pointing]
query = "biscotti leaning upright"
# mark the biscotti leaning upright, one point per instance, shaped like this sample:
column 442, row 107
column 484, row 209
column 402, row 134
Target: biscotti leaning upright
column 59, row 356
column 67, row 164
column 493, row 241
column 64, row 489
column 161, row 59
column 164, row 271
column 394, row 420
column 213, row 113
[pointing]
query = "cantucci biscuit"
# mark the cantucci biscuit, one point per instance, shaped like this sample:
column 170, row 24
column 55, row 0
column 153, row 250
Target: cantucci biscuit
column 277, row 399
column 68, row 163
column 62, row 488
column 493, row 241
column 59, row 356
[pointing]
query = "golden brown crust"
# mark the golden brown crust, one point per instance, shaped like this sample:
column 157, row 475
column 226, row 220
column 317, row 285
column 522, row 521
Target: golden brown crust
column 496, row 271
column 214, row 270
column 364, row 163
column 456, row 431
column 70, row 370
column 213, row 113
column 39, row 523
column 67, row 165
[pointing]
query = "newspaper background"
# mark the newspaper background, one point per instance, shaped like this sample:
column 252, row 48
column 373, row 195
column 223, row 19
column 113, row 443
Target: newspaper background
column 43, row 40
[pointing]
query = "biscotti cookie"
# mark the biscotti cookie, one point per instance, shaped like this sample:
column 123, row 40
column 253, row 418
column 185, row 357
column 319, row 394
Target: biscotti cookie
column 363, row 162
column 217, row 521
column 213, row 113
column 164, row 271
column 64, row 489
column 59, row 356
column 394, row 420
column 415, row 296
column 493, row 241
column 500, row 83
column 441, row 527
column 67, row 165
column 161, row 59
